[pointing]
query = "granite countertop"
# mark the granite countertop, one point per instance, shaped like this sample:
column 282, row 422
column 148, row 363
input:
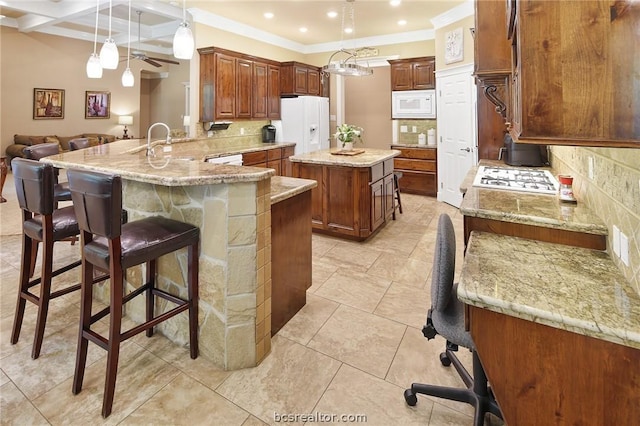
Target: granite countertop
column 180, row 164
column 569, row 288
column 283, row 188
column 526, row 208
column 368, row 158
column 412, row 145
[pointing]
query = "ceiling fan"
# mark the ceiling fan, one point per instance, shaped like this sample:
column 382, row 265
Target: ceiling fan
column 140, row 55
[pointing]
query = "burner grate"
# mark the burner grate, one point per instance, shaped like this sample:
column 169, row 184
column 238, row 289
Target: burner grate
column 528, row 180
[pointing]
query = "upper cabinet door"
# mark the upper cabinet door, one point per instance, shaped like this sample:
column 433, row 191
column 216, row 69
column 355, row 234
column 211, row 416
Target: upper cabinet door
column 313, row 82
column 273, row 93
column 401, row 76
column 225, row 86
column 575, row 73
column 423, row 75
column 244, row 82
column 260, row 90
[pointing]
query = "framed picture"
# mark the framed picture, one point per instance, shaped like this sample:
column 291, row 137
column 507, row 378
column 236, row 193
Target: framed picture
column 453, row 48
column 48, row 104
column 97, row 104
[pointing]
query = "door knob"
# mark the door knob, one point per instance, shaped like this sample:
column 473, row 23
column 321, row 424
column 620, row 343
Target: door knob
column 465, row 149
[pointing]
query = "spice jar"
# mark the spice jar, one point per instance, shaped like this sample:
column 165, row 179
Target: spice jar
column 566, row 189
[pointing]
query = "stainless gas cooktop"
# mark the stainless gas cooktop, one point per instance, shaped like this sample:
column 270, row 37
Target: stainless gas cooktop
column 514, row 179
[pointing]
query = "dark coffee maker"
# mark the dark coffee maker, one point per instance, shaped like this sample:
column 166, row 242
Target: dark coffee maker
column 268, row 133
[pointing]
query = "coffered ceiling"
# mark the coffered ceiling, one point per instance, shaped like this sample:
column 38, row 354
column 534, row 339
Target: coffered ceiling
column 375, row 19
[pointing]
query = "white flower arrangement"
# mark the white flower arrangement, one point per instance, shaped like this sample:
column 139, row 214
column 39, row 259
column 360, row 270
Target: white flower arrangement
column 348, row 133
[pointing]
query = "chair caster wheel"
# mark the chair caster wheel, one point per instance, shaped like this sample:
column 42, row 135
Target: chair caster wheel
column 410, row 397
column 444, row 359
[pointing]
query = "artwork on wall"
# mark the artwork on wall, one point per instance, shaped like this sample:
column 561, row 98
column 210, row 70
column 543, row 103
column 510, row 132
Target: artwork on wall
column 48, row 104
column 97, row 104
column 453, row 47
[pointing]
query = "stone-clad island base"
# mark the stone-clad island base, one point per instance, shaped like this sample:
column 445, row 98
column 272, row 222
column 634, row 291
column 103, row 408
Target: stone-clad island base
column 232, row 207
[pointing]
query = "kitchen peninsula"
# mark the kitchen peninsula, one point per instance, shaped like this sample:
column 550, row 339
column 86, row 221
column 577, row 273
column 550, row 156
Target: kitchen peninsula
column 354, row 196
column 232, row 207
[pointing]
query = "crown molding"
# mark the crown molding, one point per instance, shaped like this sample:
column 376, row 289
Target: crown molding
column 453, row 15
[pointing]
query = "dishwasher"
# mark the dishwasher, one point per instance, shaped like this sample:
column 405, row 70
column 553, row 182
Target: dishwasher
column 235, row 160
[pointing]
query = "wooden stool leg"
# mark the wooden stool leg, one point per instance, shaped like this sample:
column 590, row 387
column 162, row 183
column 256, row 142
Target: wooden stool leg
column 34, row 257
column 113, row 345
column 25, row 267
column 151, row 280
column 86, row 297
column 45, row 293
column 193, row 299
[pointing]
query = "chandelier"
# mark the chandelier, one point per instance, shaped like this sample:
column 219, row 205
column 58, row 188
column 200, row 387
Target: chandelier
column 348, row 64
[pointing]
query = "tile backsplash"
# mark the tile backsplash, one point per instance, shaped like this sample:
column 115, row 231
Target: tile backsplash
column 248, row 130
column 612, row 192
column 422, row 126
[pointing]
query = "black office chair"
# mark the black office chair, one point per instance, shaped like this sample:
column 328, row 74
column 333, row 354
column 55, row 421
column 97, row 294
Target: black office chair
column 446, row 318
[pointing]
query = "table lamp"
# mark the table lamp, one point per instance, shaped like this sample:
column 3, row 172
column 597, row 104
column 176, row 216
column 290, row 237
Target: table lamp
column 125, row 120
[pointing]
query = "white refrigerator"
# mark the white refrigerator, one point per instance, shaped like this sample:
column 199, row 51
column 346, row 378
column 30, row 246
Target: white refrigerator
column 305, row 121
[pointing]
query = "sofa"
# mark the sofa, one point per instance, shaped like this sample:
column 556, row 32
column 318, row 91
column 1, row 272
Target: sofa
column 20, row 142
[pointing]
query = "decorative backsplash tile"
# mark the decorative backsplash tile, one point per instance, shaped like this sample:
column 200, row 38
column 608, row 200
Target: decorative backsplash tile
column 613, row 193
column 252, row 131
column 422, row 126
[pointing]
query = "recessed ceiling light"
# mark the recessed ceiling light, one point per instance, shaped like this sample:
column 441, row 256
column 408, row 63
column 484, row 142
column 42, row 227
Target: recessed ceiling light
column 394, row 2
column 268, row 15
column 332, row 14
column 402, row 22
column 348, row 30
column 303, row 29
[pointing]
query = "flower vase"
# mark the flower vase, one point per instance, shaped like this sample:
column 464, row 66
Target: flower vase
column 347, row 146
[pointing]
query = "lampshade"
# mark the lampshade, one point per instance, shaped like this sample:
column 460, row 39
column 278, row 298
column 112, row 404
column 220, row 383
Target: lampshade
column 186, row 120
column 127, row 78
column 127, row 120
column 109, row 56
column 94, row 69
column 183, row 43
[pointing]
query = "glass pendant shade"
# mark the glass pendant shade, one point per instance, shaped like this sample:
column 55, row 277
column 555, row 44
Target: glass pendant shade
column 183, row 43
column 127, row 78
column 109, row 56
column 94, row 69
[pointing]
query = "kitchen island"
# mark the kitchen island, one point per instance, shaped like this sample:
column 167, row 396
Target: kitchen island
column 354, row 196
column 232, row 207
column 557, row 329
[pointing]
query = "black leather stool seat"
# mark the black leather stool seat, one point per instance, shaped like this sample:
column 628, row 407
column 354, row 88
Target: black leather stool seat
column 64, row 225
column 144, row 239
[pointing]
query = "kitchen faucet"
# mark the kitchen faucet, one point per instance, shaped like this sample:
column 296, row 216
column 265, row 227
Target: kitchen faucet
column 150, row 152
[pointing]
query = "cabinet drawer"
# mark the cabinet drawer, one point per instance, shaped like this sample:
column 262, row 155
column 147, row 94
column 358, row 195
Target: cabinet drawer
column 377, row 172
column 250, row 158
column 419, row 165
column 288, row 151
column 388, row 166
column 418, row 153
column 274, row 154
column 418, row 183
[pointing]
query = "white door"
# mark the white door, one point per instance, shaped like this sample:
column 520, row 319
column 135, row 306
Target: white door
column 457, row 151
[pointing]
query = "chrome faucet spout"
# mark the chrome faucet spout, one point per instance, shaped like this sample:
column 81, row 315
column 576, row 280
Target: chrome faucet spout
column 150, row 152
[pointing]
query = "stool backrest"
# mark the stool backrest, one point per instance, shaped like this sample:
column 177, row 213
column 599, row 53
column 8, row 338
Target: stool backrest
column 79, row 143
column 41, row 150
column 34, row 185
column 97, row 201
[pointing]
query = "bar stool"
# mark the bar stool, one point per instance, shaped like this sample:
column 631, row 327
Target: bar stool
column 36, row 152
column 41, row 222
column 111, row 246
column 396, row 194
column 78, row 143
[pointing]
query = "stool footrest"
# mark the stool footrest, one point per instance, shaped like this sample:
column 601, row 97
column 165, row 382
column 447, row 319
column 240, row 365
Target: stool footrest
column 157, row 320
column 57, row 272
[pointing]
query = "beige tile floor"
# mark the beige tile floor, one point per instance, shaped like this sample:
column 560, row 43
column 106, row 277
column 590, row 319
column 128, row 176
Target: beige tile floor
column 351, row 350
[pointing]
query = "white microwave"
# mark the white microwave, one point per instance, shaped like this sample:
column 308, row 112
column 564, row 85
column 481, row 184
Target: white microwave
column 413, row 104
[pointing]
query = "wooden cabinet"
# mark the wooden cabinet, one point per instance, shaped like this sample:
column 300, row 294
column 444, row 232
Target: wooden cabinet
column 298, row 79
column 574, row 79
column 274, row 158
column 352, row 202
column 419, row 167
column 492, row 72
column 413, row 73
column 234, row 85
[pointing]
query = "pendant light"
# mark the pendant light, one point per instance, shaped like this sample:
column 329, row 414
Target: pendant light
column 183, row 43
column 349, row 65
column 127, row 75
column 109, row 53
column 94, row 69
